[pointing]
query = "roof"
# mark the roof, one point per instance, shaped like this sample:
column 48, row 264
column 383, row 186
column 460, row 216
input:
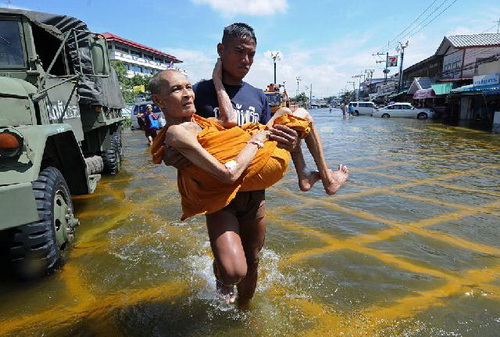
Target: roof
column 419, row 83
column 468, row 41
column 118, row 39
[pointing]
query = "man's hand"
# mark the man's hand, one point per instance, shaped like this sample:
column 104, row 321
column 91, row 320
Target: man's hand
column 286, row 137
column 172, row 157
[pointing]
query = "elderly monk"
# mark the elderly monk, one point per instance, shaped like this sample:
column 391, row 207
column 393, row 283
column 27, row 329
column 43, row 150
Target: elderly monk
column 228, row 160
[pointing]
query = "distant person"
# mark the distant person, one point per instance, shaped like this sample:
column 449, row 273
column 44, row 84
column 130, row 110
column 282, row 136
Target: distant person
column 151, row 124
column 351, row 109
column 344, row 109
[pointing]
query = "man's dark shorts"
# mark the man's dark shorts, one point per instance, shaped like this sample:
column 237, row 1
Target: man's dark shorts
column 248, row 206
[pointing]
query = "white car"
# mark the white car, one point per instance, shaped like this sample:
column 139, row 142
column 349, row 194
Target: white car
column 403, row 110
column 363, row 108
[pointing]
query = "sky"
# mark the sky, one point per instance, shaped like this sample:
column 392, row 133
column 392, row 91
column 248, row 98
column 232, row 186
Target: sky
column 324, row 45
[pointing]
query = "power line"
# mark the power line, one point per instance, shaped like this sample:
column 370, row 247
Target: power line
column 426, row 21
column 421, row 14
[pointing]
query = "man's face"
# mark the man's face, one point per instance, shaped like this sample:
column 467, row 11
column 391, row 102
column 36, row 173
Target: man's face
column 237, row 58
column 177, row 98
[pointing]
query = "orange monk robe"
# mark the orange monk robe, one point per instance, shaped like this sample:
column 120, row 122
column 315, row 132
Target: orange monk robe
column 201, row 192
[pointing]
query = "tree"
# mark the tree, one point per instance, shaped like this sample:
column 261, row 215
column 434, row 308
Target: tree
column 301, row 99
column 127, row 84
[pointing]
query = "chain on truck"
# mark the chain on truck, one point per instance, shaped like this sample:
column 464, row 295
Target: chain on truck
column 60, row 128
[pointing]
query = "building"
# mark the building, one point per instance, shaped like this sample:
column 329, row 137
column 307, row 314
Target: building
column 138, row 59
column 462, row 54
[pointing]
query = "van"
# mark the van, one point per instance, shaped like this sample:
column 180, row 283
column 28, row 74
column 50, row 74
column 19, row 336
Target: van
column 141, row 107
column 363, row 108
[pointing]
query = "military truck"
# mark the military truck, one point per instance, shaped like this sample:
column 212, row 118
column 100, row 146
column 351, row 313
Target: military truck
column 60, row 128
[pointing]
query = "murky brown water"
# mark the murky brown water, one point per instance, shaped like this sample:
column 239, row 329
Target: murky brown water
column 409, row 247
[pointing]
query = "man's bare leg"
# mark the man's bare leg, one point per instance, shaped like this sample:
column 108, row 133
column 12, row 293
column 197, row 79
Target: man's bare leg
column 230, row 265
column 252, row 235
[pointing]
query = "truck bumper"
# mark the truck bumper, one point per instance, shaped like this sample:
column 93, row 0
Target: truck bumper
column 17, row 205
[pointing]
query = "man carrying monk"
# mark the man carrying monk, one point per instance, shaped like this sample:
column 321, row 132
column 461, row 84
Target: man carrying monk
column 227, row 160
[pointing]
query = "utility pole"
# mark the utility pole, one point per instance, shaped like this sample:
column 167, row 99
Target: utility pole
column 298, row 82
column 498, row 25
column 275, row 56
column 310, row 95
column 402, row 48
column 359, row 87
column 386, row 70
column 353, row 86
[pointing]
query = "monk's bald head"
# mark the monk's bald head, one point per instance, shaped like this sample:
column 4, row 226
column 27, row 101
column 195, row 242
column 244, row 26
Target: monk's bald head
column 161, row 80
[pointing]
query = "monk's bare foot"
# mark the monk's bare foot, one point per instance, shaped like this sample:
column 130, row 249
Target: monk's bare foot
column 308, row 179
column 336, row 179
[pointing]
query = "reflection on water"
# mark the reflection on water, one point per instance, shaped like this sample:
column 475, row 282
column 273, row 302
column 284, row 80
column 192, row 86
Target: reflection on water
column 409, row 247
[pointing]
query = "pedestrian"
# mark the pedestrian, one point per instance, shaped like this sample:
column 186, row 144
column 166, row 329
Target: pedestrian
column 151, row 124
column 351, row 110
column 237, row 231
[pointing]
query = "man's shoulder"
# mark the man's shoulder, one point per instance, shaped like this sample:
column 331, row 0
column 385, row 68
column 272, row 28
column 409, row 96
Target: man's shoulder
column 204, row 85
column 248, row 88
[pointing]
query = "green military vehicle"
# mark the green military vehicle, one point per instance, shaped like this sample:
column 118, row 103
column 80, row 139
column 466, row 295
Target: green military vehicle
column 60, row 128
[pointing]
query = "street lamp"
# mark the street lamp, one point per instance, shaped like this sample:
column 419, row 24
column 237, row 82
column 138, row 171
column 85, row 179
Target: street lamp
column 402, row 48
column 275, row 56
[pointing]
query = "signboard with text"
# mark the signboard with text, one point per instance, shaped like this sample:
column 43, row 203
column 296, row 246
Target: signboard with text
column 392, row 61
column 488, row 79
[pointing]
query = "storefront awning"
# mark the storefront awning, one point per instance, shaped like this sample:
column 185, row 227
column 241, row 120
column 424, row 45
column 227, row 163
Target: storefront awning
column 443, row 88
column 471, row 88
column 424, row 93
column 396, row 94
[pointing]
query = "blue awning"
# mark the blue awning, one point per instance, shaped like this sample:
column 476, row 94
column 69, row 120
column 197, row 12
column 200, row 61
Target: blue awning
column 486, row 89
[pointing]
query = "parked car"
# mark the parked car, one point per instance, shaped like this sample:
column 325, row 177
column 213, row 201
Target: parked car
column 363, row 108
column 403, row 110
column 141, row 107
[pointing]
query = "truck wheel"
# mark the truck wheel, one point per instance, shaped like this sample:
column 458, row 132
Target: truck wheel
column 95, row 164
column 116, row 142
column 36, row 247
column 111, row 161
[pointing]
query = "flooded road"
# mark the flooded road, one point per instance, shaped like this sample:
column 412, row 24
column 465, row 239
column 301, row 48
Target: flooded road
column 409, row 247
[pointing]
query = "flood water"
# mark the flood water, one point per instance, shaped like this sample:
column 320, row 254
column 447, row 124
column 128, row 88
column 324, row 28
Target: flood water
column 409, row 247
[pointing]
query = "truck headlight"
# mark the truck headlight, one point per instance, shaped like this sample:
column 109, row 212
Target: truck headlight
column 11, row 143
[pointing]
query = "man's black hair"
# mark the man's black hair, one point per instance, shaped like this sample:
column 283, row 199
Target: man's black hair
column 238, row 30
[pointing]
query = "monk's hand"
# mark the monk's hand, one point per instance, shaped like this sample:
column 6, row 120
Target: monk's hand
column 174, row 158
column 286, row 137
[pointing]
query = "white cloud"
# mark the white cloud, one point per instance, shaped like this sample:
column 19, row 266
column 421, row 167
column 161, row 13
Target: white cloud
column 230, row 8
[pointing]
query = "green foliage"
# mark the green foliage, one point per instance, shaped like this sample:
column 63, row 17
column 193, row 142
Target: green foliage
column 347, row 96
column 301, row 99
column 127, row 84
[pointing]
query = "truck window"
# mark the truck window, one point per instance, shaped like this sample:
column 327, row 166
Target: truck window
column 11, row 50
column 46, row 47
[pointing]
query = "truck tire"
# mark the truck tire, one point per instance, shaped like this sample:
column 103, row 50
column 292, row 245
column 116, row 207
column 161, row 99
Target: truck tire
column 95, row 165
column 111, row 161
column 36, row 247
column 116, row 142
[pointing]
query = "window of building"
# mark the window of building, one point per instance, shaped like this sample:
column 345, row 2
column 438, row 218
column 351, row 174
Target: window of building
column 122, row 49
column 135, row 53
column 136, row 68
column 148, row 57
